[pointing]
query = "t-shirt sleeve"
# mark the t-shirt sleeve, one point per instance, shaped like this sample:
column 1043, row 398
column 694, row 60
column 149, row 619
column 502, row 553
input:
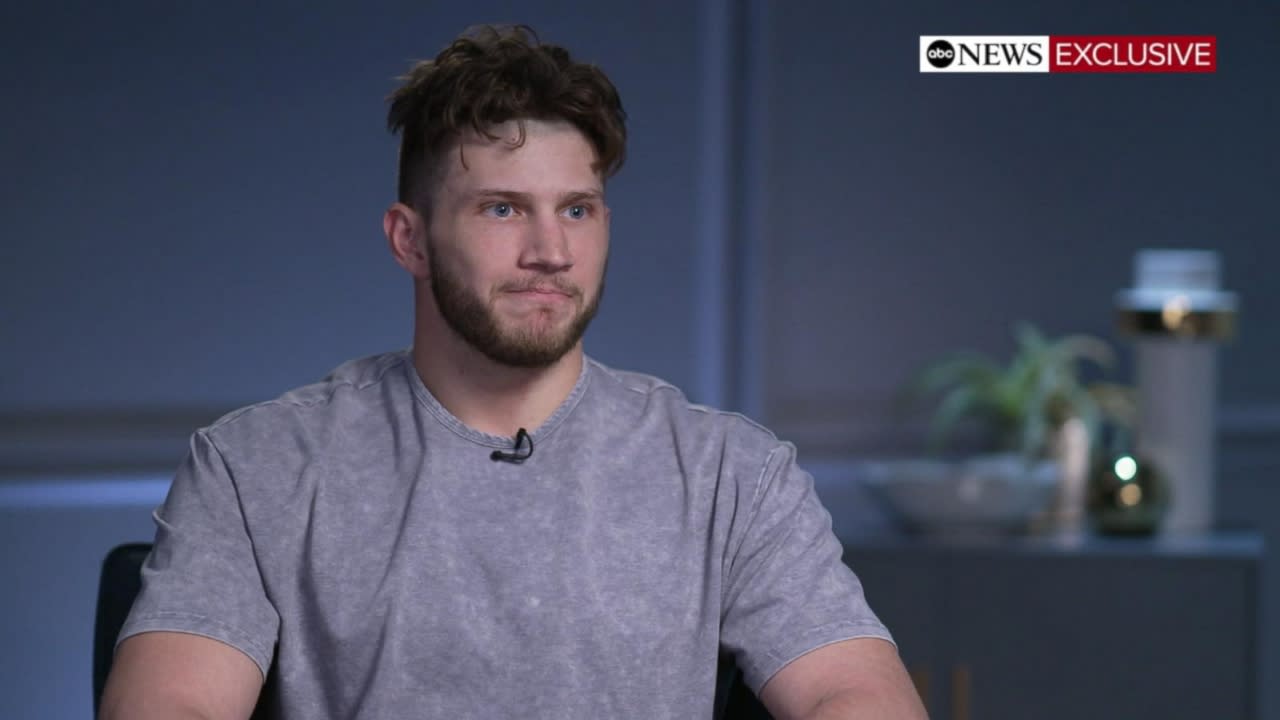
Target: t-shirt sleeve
column 787, row 591
column 202, row 576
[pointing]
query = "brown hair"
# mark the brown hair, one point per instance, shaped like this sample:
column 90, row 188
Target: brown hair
column 491, row 75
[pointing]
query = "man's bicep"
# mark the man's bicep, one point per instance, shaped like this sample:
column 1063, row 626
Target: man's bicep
column 868, row 670
column 166, row 674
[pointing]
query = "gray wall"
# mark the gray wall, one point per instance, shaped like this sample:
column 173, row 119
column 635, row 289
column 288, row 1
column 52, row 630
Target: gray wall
column 193, row 194
column 192, row 197
column 909, row 214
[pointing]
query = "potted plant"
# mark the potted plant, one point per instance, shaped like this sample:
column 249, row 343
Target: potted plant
column 1021, row 406
column 1036, row 418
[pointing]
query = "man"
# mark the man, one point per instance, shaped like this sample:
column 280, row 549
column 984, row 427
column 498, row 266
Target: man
column 492, row 524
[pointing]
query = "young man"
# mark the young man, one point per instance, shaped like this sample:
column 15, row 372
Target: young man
column 492, row 524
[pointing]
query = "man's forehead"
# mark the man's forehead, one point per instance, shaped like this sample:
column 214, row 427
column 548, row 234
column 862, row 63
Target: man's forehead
column 513, row 134
column 470, row 162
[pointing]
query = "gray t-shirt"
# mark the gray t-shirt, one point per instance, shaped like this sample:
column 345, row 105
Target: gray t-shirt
column 358, row 536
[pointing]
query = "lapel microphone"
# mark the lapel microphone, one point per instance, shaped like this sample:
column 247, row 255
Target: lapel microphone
column 522, row 438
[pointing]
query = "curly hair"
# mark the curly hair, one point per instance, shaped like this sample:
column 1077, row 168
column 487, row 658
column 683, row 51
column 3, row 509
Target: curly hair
column 490, row 75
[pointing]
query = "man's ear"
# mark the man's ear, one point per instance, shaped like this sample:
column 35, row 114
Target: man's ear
column 406, row 237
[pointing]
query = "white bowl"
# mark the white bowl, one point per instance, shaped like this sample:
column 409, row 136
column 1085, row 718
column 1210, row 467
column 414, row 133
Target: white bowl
column 985, row 494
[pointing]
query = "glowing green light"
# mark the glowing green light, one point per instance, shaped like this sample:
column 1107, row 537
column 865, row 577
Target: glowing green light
column 1126, row 467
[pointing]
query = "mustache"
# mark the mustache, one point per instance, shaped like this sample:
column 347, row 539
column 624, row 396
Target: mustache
column 542, row 284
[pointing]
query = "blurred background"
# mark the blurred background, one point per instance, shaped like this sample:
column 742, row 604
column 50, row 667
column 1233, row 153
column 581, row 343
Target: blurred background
column 192, row 198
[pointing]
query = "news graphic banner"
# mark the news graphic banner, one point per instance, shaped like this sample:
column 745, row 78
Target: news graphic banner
column 1068, row 53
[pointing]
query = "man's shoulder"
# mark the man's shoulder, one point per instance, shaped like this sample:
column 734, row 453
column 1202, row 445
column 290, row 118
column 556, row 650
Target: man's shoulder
column 348, row 388
column 646, row 395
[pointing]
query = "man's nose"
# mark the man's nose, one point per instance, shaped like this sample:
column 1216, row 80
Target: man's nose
column 547, row 246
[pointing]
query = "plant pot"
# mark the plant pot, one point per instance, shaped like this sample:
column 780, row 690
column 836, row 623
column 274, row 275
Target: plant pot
column 987, row 494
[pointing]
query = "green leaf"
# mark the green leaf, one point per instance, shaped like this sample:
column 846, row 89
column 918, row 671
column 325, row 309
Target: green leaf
column 959, row 370
column 1031, row 341
column 1085, row 347
column 1116, row 403
column 1027, row 400
column 956, row 405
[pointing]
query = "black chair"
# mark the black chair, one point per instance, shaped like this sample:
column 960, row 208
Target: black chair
column 117, row 587
column 121, row 581
column 734, row 700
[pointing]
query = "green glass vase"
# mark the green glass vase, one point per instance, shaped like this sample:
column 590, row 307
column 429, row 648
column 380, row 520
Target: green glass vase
column 1128, row 495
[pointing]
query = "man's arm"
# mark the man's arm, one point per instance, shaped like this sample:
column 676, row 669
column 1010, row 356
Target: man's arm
column 852, row 680
column 179, row 676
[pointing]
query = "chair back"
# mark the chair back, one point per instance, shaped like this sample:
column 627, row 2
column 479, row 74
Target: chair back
column 118, row 585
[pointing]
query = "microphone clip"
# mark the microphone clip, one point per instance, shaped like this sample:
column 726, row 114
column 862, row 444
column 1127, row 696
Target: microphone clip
column 515, row 457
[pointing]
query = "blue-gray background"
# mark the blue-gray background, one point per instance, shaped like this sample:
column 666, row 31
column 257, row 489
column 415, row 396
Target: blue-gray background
column 192, row 196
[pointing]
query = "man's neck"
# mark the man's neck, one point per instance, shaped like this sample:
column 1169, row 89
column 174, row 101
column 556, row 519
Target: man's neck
column 489, row 397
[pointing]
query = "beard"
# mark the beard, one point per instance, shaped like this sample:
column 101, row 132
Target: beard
column 536, row 345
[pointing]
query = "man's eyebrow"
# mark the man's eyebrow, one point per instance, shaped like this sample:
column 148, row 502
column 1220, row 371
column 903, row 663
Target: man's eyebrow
column 502, row 194
column 526, row 198
column 577, row 195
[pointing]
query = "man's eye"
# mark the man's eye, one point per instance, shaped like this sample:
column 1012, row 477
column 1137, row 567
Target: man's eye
column 500, row 210
column 577, row 212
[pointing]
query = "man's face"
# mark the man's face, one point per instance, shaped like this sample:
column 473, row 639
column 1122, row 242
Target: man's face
column 517, row 242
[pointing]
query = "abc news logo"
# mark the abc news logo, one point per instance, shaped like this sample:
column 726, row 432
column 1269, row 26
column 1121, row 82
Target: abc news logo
column 1006, row 53
column 1069, row 53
